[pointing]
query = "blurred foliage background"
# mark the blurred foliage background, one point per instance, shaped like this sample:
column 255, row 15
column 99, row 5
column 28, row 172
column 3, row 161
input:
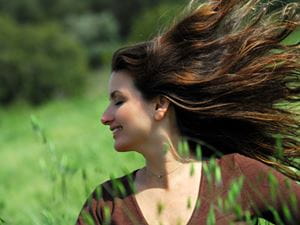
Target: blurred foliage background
column 54, row 66
column 50, row 48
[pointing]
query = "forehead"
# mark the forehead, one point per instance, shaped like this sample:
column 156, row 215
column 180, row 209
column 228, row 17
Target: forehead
column 121, row 82
column 120, row 79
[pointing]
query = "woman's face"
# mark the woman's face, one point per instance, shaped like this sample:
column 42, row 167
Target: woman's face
column 128, row 115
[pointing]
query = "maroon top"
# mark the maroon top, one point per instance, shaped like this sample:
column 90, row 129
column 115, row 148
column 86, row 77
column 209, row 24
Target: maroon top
column 247, row 189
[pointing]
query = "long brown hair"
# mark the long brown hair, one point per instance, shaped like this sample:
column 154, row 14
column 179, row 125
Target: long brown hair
column 231, row 80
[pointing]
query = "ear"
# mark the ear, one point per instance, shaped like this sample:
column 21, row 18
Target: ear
column 161, row 107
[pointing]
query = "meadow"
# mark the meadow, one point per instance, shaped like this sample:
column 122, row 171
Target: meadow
column 52, row 156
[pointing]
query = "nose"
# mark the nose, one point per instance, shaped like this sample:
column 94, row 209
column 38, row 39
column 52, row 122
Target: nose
column 106, row 118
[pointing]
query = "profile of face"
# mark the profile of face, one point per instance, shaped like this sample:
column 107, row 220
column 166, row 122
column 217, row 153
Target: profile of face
column 129, row 116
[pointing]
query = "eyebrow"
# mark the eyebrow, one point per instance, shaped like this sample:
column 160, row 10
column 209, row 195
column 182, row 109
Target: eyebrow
column 113, row 94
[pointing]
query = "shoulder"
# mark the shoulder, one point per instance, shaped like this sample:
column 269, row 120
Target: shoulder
column 236, row 163
column 265, row 190
column 251, row 169
column 244, row 163
column 119, row 187
column 112, row 188
column 238, row 158
column 101, row 202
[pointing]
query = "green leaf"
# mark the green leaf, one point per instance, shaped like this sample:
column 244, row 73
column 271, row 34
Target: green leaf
column 189, row 203
column 106, row 215
column 160, row 208
column 278, row 147
column 198, row 152
column 287, row 213
column 87, row 218
column 218, row 175
column 211, row 220
column 192, row 170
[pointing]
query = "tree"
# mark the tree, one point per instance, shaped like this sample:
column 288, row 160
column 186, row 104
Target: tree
column 38, row 62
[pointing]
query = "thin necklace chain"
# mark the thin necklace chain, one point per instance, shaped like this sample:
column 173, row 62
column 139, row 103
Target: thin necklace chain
column 163, row 175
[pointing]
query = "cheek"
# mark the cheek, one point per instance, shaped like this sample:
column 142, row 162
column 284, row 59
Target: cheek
column 136, row 121
column 137, row 129
column 142, row 119
column 133, row 114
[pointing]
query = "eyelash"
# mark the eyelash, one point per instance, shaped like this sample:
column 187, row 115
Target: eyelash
column 119, row 103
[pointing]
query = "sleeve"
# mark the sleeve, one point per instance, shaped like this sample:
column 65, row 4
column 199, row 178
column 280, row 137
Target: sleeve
column 89, row 214
column 96, row 210
column 272, row 195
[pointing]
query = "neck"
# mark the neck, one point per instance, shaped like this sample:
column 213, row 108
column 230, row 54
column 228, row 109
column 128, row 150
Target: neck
column 166, row 164
column 162, row 159
column 168, row 182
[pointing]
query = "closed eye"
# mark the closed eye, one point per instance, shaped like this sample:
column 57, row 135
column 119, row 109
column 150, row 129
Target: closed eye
column 119, row 103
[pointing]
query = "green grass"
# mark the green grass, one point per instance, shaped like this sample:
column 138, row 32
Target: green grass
column 46, row 182
column 43, row 183
column 47, row 172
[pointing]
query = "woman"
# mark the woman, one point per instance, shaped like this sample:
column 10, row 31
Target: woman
column 209, row 86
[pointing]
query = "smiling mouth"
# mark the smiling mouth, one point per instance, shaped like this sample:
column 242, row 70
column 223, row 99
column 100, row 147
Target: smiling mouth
column 115, row 130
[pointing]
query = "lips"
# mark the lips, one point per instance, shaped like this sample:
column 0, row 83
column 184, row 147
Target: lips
column 116, row 129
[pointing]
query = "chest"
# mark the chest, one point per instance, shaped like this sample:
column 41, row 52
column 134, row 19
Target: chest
column 174, row 208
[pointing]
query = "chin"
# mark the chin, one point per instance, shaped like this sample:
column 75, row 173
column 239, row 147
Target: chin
column 122, row 147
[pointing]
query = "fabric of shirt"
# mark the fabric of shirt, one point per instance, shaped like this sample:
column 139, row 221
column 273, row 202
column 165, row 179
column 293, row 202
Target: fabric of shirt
column 241, row 190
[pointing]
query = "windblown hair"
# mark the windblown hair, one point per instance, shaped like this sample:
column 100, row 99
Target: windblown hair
column 231, row 80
